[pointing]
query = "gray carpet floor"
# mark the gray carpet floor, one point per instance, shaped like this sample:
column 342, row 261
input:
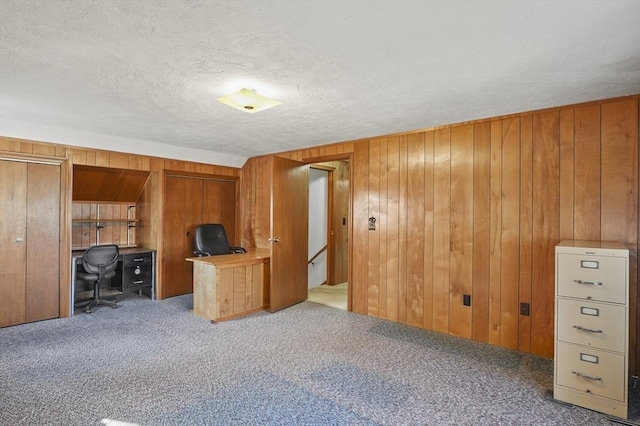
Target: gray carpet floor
column 155, row 363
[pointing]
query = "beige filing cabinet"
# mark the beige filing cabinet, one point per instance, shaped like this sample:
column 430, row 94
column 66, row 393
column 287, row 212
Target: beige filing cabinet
column 592, row 325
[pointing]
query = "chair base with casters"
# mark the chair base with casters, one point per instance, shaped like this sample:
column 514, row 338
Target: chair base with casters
column 99, row 263
column 96, row 299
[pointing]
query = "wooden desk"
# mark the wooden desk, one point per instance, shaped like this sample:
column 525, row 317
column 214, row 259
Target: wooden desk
column 230, row 285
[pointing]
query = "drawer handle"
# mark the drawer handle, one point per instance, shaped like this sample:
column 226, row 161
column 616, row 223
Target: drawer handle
column 588, row 282
column 138, row 282
column 590, row 330
column 579, row 374
column 138, row 259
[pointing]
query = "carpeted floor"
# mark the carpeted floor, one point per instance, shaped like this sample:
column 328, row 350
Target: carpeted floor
column 155, row 363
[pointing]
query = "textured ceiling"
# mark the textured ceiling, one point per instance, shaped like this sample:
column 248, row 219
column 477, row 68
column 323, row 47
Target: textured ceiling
column 150, row 70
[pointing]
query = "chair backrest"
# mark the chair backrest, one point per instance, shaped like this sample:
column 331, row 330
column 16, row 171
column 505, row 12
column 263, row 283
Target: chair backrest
column 100, row 259
column 211, row 239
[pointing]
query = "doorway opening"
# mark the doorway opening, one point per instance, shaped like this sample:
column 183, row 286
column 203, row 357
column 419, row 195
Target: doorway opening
column 329, row 218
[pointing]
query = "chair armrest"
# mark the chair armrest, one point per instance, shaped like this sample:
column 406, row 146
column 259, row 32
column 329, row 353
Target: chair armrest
column 238, row 250
column 200, row 253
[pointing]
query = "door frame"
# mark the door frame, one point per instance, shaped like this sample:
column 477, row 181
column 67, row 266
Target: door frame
column 66, row 176
column 337, row 157
column 329, row 170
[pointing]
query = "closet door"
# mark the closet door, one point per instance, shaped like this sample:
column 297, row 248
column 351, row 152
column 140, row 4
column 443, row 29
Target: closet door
column 182, row 213
column 29, row 242
column 220, row 206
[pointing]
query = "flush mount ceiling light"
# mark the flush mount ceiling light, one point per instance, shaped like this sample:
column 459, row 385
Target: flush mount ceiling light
column 248, row 101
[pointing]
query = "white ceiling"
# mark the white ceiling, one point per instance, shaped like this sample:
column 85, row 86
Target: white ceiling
column 145, row 73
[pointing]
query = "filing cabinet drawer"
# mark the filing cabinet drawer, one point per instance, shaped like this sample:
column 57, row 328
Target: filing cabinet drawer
column 137, row 276
column 597, row 325
column 591, row 371
column 591, row 277
column 137, row 259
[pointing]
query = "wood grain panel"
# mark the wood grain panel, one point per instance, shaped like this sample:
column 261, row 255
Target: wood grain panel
column 373, row 243
column 509, row 268
column 392, row 237
column 587, row 173
column 289, row 216
column 181, row 215
column 240, row 289
column 495, row 238
column 402, row 230
column 224, row 277
column 340, row 223
column 415, row 245
column 567, row 174
column 442, row 228
column 107, row 184
column 620, row 201
column 620, row 172
column 358, row 280
column 481, row 227
column 461, row 248
column 13, row 205
column 429, row 227
column 219, row 206
column 546, row 229
column 526, row 227
column 382, row 227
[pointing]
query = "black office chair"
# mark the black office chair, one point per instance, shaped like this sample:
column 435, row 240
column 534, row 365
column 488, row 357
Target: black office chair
column 99, row 263
column 210, row 240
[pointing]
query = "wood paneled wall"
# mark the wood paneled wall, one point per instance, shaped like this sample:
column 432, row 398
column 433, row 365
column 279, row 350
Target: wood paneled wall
column 478, row 208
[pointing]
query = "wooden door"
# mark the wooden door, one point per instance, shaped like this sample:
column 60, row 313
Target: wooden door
column 220, row 206
column 182, row 213
column 289, row 233
column 29, row 242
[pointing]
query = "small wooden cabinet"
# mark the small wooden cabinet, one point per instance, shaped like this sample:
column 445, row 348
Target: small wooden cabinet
column 591, row 325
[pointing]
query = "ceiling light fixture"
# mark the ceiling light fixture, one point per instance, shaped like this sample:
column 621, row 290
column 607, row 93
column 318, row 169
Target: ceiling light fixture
column 248, row 101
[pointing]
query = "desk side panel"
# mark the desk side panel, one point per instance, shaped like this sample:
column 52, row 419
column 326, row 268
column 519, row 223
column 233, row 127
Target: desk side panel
column 240, row 280
column 204, row 291
column 225, row 291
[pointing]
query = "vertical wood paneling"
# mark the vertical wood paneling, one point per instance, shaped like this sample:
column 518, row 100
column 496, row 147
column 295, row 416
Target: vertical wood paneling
column 567, row 174
column 526, row 228
column 587, row 173
column 240, row 288
column 510, row 244
column 43, row 229
column 481, row 227
column 403, row 239
column 392, row 240
column 383, row 225
column 620, row 172
column 359, row 234
column 442, row 228
column 429, row 237
column 415, row 244
column 495, row 239
column 546, row 225
column 619, row 175
column 373, row 267
column 461, row 247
